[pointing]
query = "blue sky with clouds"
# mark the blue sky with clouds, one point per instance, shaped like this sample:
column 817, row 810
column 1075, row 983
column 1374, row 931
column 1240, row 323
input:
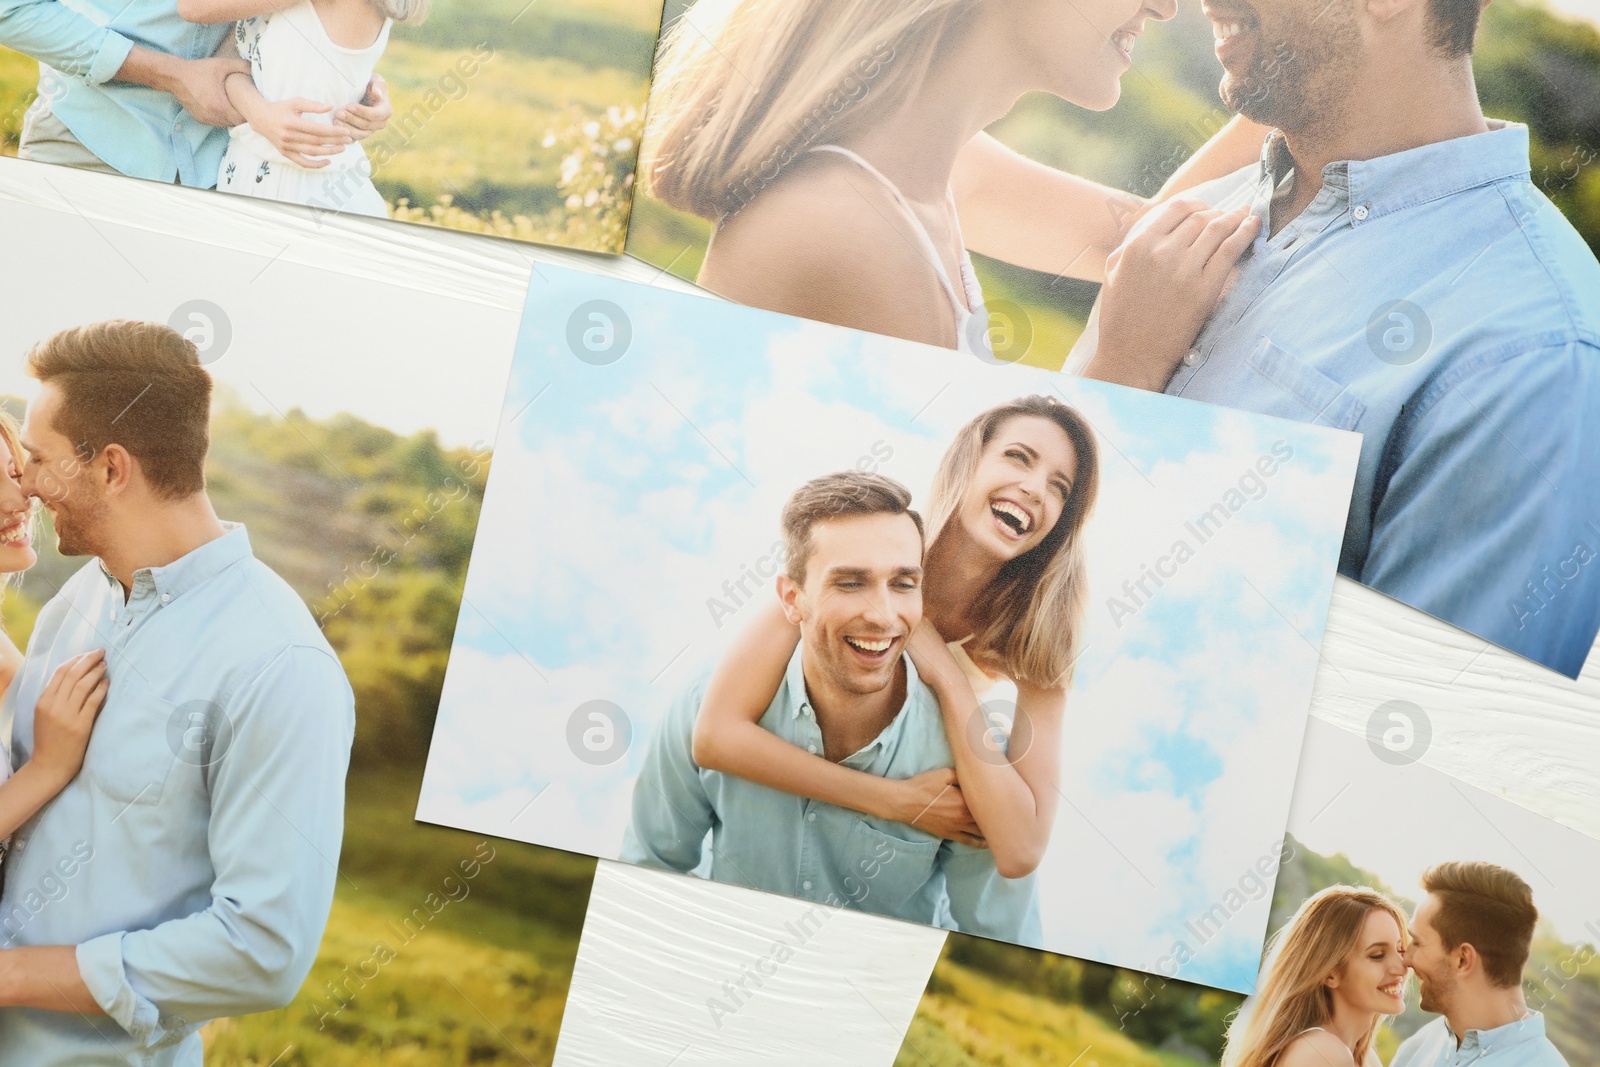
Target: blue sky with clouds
column 623, row 497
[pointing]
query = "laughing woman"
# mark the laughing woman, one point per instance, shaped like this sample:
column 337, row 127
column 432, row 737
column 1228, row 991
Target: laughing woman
column 837, row 147
column 1003, row 595
column 67, row 710
column 1331, row 976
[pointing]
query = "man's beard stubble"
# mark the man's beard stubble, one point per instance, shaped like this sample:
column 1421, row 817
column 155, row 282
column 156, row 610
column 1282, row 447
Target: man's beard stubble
column 1298, row 79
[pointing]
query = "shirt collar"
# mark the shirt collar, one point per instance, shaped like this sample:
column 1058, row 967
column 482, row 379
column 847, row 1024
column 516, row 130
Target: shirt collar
column 1417, row 175
column 1528, row 1028
column 800, row 700
column 196, row 567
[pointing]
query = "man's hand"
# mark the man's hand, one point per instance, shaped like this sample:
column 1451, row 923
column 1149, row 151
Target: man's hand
column 198, row 85
column 371, row 115
column 932, row 801
column 301, row 140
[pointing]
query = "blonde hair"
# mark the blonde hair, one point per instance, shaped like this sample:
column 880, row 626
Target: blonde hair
column 413, row 11
column 1293, row 996
column 1032, row 611
column 744, row 87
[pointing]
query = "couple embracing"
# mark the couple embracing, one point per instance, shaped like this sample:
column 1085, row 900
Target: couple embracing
column 1359, row 247
column 177, row 734
column 1339, row 969
column 841, row 751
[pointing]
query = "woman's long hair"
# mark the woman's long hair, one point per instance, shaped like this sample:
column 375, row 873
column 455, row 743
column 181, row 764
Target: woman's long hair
column 1030, row 618
column 1292, row 997
column 744, row 87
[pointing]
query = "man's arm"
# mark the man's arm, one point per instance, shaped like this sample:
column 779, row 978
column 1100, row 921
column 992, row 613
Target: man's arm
column 277, row 819
column 671, row 812
column 1489, row 515
column 54, row 34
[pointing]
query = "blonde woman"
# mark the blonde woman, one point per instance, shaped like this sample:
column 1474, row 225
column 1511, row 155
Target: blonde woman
column 837, row 146
column 66, row 711
column 307, row 58
column 1003, row 595
column 1331, row 977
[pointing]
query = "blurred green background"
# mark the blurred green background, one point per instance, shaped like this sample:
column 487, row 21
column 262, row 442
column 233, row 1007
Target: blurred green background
column 1532, row 66
column 538, row 142
column 990, row 1004
column 422, row 972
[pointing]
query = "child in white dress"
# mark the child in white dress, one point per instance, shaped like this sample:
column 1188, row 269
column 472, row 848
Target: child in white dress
column 307, row 58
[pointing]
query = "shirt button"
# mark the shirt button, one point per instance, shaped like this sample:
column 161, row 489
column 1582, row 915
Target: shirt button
column 806, row 885
column 811, row 816
column 1190, row 358
column 1360, row 212
column 166, row 598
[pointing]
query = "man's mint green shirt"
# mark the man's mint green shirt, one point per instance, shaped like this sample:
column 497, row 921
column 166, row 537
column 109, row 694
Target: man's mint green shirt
column 765, row 839
column 1518, row 1044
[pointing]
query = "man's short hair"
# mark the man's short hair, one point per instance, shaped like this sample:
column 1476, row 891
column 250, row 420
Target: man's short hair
column 1489, row 908
column 1455, row 25
column 136, row 384
column 834, row 496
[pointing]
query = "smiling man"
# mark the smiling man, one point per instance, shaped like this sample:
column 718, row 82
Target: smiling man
column 853, row 551
column 206, row 823
column 1412, row 284
column 1470, row 938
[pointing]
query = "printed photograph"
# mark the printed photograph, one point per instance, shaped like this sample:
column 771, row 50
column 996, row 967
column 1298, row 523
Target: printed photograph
column 877, row 624
column 1415, row 921
column 503, row 117
column 233, row 552
column 1380, row 220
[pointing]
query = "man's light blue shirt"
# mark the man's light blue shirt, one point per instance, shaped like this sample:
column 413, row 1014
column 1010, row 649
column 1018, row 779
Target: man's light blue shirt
column 138, row 130
column 765, row 839
column 192, row 861
column 1436, row 302
column 1519, row 1044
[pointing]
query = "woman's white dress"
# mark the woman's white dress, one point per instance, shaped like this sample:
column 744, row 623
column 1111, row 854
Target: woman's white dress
column 291, row 55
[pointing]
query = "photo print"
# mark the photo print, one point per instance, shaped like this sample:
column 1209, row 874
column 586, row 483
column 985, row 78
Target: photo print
column 1156, row 195
column 226, row 880
column 1482, row 921
column 884, row 626
column 490, row 116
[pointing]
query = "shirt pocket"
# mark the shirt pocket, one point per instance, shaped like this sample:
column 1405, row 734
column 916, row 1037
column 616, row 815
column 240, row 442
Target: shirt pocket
column 885, row 870
column 1326, row 402
column 131, row 751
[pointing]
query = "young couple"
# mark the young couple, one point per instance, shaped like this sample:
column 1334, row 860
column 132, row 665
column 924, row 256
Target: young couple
column 172, row 860
column 828, row 767
column 266, row 98
column 1360, row 247
column 1338, row 970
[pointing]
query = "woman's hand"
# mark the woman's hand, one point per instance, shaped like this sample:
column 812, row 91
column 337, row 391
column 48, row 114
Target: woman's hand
column 65, row 715
column 1161, row 286
column 932, row 801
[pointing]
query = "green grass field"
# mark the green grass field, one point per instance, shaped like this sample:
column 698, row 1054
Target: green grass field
column 420, row 981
